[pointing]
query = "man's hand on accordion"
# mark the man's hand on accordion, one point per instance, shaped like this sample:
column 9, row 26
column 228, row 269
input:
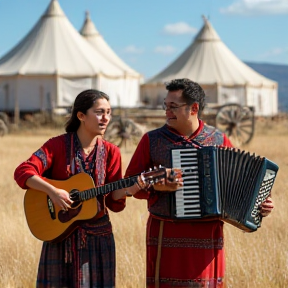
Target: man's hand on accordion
column 267, row 207
column 172, row 182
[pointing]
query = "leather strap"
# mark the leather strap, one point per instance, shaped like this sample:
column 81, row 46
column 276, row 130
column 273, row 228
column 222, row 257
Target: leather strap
column 157, row 268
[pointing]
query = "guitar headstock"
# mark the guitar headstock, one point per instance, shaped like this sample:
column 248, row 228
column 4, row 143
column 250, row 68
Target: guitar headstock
column 154, row 175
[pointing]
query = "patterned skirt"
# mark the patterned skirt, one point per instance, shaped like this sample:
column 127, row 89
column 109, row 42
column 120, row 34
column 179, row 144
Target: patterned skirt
column 185, row 254
column 85, row 259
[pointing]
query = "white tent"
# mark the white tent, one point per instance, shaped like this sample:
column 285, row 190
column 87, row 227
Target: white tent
column 224, row 77
column 129, row 93
column 52, row 64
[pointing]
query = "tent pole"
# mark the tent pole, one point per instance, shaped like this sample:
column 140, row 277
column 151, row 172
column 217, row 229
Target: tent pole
column 16, row 105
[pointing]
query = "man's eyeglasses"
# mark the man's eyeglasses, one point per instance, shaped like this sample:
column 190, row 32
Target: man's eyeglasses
column 172, row 108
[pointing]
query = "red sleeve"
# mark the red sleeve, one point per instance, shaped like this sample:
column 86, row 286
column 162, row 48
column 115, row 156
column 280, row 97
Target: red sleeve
column 114, row 173
column 139, row 163
column 226, row 141
column 40, row 161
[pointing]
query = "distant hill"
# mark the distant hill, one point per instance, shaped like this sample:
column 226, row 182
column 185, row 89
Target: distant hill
column 277, row 73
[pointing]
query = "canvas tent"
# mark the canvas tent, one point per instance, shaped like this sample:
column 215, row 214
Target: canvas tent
column 132, row 78
column 224, row 77
column 52, row 64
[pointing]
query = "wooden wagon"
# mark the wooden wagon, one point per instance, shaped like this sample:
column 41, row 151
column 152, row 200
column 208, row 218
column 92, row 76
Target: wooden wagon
column 238, row 122
column 4, row 123
column 233, row 119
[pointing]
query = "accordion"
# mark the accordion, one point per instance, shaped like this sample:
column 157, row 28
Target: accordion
column 222, row 183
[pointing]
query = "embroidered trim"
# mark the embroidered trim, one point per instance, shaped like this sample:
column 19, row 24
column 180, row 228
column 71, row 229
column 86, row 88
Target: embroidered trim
column 188, row 243
column 191, row 283
column 42, row 156
column 210, row 136
column 102, row 227
column 100, row 168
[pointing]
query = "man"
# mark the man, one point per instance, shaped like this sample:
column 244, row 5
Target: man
column 180, row 253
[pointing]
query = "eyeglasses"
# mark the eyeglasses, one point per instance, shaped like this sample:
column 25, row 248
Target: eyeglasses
column 172, row 108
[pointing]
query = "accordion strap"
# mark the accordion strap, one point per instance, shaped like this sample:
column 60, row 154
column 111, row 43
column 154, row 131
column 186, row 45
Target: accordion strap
column 157, row 268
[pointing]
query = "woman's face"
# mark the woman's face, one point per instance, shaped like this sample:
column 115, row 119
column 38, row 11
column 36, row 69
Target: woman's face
column 97, row 118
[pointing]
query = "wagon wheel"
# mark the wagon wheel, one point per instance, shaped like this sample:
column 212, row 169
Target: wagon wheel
column 121, row 130
column 237, row 122
column 3, row 128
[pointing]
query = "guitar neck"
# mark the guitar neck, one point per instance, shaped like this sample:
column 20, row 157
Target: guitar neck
column 105, row 189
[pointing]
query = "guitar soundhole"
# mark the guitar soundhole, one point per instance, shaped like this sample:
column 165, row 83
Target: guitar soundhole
column 65, row 216
column 75, row 204
column 75, row 197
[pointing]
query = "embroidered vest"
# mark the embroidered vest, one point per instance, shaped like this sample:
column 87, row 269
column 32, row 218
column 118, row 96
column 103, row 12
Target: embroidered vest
column 162, row 140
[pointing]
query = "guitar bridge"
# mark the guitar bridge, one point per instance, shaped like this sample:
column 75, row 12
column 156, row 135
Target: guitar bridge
column 51, row 208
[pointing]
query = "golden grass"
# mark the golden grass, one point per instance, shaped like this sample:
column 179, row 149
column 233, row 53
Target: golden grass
column 258, row 259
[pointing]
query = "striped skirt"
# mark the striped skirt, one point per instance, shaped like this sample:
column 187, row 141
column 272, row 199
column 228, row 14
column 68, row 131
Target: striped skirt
column 85, row 259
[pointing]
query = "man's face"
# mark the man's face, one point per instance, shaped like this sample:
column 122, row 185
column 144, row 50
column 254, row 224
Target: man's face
column 178, row 112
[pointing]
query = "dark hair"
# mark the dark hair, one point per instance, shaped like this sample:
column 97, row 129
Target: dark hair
column 82, row 103
column 192, row 91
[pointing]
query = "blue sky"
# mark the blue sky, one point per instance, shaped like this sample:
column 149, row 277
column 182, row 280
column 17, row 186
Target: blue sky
column 148, row 35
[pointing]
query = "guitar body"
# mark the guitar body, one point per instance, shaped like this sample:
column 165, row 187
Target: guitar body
column 48, row 222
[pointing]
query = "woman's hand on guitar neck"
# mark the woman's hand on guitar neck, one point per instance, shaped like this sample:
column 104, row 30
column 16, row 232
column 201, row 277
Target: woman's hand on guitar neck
column 161, row 178
column 59, row 197
column 125, row 192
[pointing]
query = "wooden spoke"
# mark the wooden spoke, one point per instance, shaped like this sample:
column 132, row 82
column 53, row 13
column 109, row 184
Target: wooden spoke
column 237, row 122
column 122, row 130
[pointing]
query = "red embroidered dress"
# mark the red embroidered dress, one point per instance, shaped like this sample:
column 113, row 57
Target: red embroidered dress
column 191, row 254
column 87, row 257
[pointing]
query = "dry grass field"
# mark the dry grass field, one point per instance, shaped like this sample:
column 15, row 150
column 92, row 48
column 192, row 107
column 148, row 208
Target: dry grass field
column 258, row 259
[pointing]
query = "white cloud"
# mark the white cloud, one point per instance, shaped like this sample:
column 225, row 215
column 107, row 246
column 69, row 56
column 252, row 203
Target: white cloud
column 179, row 28
column 131, row 49
column 252, row 7
column 275, row 52
column 166, row 50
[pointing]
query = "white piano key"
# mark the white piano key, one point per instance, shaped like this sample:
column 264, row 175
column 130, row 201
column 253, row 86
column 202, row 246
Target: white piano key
column 188, row 198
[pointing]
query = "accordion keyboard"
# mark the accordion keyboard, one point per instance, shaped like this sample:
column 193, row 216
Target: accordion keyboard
column 226, row 183
column 187, row 198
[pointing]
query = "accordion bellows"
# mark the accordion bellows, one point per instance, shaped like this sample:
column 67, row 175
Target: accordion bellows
column 224, row 183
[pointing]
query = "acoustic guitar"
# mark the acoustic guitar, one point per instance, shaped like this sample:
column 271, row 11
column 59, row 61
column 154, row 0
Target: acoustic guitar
column 48, row 222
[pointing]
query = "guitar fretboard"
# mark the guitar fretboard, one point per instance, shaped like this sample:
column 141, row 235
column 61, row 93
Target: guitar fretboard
column 105, row 189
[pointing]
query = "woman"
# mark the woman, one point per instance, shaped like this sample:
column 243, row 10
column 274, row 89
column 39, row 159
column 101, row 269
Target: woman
column 87, row 257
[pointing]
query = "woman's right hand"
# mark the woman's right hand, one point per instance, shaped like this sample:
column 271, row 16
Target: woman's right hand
column 61, row 198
